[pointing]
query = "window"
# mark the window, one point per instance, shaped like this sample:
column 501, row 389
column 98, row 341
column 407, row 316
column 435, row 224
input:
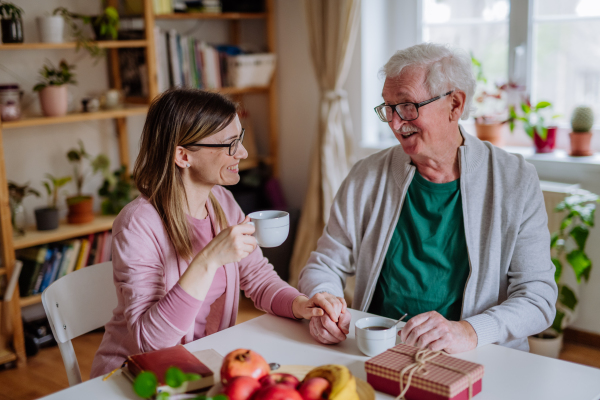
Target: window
column 550, row 47
column 566, row 55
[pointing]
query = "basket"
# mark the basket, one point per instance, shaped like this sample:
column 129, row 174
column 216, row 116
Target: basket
column 250, row 69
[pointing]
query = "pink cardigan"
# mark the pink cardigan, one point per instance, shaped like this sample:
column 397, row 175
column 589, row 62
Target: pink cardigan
column 146, row 272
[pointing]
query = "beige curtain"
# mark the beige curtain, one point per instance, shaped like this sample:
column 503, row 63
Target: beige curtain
column 333, row 28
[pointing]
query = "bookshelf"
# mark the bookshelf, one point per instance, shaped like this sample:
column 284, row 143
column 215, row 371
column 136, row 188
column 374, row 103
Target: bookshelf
column 12, row 343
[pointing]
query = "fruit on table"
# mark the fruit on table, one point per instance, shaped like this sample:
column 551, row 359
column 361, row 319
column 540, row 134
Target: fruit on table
column 279, row 377
column 278, row 391
column 243, row 362
column 343, row 383
column 316, row 388
column 241, row 388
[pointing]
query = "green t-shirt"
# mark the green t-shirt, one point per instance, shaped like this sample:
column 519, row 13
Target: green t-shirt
column 426, row 266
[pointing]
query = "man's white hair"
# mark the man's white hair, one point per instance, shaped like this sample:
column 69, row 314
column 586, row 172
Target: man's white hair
column 446, row 67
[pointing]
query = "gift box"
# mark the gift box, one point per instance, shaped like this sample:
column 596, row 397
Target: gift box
column 423, row 374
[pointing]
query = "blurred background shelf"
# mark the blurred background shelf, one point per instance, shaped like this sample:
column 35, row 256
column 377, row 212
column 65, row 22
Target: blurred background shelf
column 107, row 44
column 125, row 111
column 199, row 15
column 65, row 231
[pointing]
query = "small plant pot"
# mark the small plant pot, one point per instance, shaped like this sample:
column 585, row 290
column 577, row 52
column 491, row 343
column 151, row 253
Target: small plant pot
column 581, row 144
column 46, row 219
column 12, row 30
column 51, row 29
column 81, row 209
column 54, row 100
column 491, row 133
column 97, row 34
column 547, row 145
column 546, row 344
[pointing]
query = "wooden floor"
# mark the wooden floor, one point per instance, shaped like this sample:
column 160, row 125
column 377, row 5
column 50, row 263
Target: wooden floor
column 45, row 373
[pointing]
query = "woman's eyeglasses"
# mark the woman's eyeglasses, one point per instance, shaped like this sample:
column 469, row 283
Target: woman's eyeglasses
column 233, row 146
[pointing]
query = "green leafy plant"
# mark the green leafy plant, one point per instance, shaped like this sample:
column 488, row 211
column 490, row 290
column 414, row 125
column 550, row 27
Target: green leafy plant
column 76, row 157
column 534, row 119
column 105, row 25
column 52, row 185
column 117, row 191
column 10, row 11
column 16, row 194
column 568, row 244
column 56, row 76
column 145, row 385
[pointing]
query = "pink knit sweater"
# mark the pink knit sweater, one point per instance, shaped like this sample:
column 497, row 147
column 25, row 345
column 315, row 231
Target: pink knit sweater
column 153, row 311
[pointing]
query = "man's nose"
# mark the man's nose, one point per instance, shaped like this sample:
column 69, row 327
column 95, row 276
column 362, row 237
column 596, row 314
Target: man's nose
column 396, row 122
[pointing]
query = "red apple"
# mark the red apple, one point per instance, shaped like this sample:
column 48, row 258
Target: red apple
column 282, row 378
column 316, row 388
column 241, row 388
column 278, row 391
column 243, row 362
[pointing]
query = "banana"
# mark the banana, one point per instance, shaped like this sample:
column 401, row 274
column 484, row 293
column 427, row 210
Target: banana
column 343, row 384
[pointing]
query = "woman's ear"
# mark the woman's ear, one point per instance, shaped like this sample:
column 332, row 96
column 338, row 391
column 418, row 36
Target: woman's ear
column 457, row 106
column 181, row 157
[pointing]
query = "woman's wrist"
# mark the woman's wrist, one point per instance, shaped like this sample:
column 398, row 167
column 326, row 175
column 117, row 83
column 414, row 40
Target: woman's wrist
column 298, row 305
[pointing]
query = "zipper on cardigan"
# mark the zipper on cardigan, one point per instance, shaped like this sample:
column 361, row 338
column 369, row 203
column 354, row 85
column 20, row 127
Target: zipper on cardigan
column 387, row 242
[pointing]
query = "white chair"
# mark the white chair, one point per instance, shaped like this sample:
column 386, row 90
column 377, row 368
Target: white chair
column 76, row 304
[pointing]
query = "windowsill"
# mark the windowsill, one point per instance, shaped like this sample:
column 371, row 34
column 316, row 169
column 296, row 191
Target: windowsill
column 558, row 155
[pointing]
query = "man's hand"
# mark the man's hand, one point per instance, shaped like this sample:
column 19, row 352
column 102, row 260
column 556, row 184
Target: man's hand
column 304, row 307
column 431, row 330
column 324, row 330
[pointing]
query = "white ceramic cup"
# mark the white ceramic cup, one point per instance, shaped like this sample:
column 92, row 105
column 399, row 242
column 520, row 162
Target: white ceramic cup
column 374, row 342
column 272, row 227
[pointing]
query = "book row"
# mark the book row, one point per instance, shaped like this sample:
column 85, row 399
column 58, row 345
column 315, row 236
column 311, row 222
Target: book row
column 44, row 264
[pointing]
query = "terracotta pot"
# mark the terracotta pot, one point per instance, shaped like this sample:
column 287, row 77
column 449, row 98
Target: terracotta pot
column 54, row 100
column 545, row 146
column 548, row 346
column 491, row 133
column 81, row 210
column 581, row 144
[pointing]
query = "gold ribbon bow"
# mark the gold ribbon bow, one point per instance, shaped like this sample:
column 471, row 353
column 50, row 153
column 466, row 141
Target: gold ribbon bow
column 422, row 357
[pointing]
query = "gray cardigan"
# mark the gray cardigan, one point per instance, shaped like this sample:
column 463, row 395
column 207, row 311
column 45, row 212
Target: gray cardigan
column 510, row 293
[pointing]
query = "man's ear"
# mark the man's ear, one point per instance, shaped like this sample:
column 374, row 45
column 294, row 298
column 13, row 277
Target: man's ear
column 457, row 104
column 181, row 157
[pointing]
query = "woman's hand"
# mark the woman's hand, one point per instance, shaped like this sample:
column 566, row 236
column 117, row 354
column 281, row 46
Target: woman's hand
column 230, row 245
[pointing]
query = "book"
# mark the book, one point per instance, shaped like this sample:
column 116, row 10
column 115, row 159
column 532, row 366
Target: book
column 175, row 68
column 73, row 256
column 83, row 253
column 45, row 270
column 92, row 252
column 99, row 247
column 107, row 247
column 159, row 361
column 62, row 249
column 52, row 268
column 33, row 259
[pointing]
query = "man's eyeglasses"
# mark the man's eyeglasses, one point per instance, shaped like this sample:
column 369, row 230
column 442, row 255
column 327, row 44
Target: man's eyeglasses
column 233, row 146
column 406, row 111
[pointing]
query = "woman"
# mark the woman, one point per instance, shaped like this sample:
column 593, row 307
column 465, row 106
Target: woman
column 182, row 250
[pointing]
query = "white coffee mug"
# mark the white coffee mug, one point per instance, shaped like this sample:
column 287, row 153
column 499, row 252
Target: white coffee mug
column 373, row 342
column 272, row 227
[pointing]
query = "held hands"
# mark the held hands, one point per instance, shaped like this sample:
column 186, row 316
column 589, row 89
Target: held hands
column 331, row 323
column 230, row 245
column 431, row 330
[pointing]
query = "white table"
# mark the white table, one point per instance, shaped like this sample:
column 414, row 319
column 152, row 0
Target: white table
column 509, row 374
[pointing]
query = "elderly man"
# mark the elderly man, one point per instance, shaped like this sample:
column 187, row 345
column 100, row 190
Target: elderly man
column 444, row 227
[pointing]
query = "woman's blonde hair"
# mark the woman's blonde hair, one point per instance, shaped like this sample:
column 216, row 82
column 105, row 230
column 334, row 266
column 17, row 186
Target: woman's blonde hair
column 176, row 118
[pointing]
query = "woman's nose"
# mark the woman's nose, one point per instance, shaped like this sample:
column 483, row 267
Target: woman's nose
column 241, row 152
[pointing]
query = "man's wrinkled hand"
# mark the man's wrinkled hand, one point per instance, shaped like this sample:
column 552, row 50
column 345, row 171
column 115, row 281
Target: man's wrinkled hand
column 325, row 331
column 432, row 331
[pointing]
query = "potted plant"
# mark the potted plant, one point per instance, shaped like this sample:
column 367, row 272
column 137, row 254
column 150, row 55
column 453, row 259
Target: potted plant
column 117, row 191
column 105, row 27
column 47, row 218
column 11, row 22
column 534, row 121
column 51, row 28
column 582, row 121
column 80, row 205
column 568, row 244
column 16, row 194
column 53, row 88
